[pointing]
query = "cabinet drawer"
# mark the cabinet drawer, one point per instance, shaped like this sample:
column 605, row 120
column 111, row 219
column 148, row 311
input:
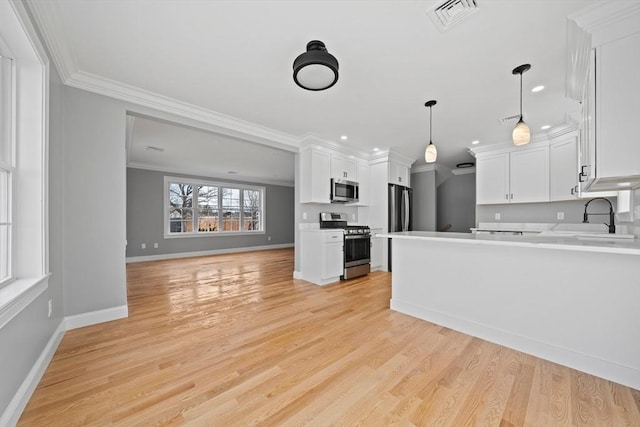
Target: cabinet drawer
column 332, row 236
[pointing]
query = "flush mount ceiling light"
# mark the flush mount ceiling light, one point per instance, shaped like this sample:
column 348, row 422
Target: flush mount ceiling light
column 521, row 133
column 316, row 69
column 430, row 154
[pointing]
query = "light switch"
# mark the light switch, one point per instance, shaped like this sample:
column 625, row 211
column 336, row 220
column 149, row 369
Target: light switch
column 560, row 215
column 497, row 215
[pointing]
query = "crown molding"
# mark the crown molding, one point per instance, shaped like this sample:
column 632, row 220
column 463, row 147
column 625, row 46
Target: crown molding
column 46, row 17
column 241, row 178
column 609, row 20
column 463, row 171
column 537, row 141
column 309, row 140
column 424, row 168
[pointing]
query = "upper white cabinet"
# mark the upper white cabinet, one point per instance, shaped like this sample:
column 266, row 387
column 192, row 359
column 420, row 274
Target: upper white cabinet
column 343, row 167
column 399, row 174
column 604, row 56
column 315, row 176
column 563, row 167
column 518, row 176
column 364, row 180
column 492, row 179
column 617, row 110
column 319, row 165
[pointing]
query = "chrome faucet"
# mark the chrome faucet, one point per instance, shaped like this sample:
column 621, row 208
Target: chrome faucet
column 611, row 225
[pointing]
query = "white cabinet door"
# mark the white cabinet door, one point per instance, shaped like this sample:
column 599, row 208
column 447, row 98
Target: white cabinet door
column 529, row 175
column 563, row 168
column 618, row 108
column 315, row 176
column 377, row 252
column 364, row 182
column 399, row 174
column 492, row 179
column 343, row 168
column 332, row 259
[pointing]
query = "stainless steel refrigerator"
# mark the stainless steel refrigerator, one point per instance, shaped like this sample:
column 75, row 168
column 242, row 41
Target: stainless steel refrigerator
column 400, row 211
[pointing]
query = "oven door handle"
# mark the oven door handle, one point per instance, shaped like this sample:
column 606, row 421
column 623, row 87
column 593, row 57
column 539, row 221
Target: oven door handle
column 355, row 236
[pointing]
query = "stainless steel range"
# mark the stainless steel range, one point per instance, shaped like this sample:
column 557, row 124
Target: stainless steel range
column 357, row 244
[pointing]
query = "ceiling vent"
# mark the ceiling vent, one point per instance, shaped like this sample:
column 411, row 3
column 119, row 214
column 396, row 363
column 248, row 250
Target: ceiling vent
column 505, row 120
column 448, row 13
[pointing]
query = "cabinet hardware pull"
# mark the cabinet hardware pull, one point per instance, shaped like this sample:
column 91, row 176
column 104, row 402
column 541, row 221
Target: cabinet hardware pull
column 511, row 196
column 572, row 192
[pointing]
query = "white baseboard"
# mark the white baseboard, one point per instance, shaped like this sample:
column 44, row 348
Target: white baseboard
column 297, row 275
column 98, row 316
column 626, row 375
column 160, row 257
column 12, row 413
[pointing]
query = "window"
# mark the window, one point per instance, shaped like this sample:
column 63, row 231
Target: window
column 6, row 168
column 195, row 208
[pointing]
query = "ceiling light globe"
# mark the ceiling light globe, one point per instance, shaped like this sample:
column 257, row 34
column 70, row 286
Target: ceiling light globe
column 316, row 69
column 430, row 154
column 521, row 133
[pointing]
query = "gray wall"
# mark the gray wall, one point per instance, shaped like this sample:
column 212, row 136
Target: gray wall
column 145, row 218
column 424, row 200
column 23, row 339
column 534, row 212
column 457, row 203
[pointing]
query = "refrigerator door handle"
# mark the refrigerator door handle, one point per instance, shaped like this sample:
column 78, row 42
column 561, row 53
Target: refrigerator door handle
column 405, row 196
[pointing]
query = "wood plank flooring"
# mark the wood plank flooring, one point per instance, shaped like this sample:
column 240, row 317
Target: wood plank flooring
column 233, row 340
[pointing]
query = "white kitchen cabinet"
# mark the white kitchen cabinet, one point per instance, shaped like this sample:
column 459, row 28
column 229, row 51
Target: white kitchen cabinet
column 315, row 176
column 322, row 256
column 618, row 108
column 492, row 179
column 518, row 176
column 563, row 168
column 399, row 174
column 377, row 250
column 364, row 181
column 343, row 167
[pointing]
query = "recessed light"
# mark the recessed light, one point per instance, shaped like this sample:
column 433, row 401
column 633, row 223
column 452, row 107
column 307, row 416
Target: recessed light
column 152, row 148
column 537, row 88
column 343, row 137
column 376, row 149
column 475, row 142
column 545, row 127
column 232, row 172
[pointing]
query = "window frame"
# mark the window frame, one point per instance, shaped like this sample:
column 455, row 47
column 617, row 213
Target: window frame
column 8, row 143
column 195, row 185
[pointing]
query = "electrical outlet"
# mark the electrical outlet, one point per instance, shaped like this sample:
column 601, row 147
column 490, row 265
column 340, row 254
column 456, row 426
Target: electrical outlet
column 304, row 215
column 353, row 217
column 560, row 215
column 497, row 215
column 269, row 238
column 143, row 246
column 155, row 246
column 50, row 308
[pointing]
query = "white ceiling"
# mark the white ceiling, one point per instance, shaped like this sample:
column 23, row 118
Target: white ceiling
column 230, row 63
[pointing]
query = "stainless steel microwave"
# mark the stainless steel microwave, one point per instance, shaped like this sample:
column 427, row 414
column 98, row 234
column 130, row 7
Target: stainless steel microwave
column 343, row 191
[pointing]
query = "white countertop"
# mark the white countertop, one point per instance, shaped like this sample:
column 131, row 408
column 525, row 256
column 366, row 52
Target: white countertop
column 573, row 243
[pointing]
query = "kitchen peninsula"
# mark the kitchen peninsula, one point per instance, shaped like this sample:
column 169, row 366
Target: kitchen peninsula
column 571, row 300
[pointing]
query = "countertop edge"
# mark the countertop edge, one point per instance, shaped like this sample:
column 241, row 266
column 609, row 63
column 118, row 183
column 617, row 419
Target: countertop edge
column 563, row 244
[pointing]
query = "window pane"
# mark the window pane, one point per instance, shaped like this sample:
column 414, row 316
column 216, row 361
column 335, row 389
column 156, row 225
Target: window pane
column 207, row 219
column 4, row 250
column 4, row 196
column 252, row 204
column 230, row 209
column 180, row 195
column 180, row 220
column 5, row 111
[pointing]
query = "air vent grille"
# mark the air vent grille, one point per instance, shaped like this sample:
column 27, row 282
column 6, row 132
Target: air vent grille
column 505, row 120
column 446, row 14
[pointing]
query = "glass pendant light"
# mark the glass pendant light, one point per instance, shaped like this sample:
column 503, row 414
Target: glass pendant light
column 431, row 153
column 521, row 134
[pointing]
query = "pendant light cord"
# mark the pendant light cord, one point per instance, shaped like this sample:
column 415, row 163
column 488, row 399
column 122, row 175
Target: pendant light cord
column 520, row 96
column 430, row 125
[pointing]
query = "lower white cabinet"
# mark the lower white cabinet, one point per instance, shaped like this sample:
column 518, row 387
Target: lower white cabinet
column 322, row 256
column 377, row 250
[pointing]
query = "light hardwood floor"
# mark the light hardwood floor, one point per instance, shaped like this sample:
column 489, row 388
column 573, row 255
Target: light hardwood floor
column 233, row 340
